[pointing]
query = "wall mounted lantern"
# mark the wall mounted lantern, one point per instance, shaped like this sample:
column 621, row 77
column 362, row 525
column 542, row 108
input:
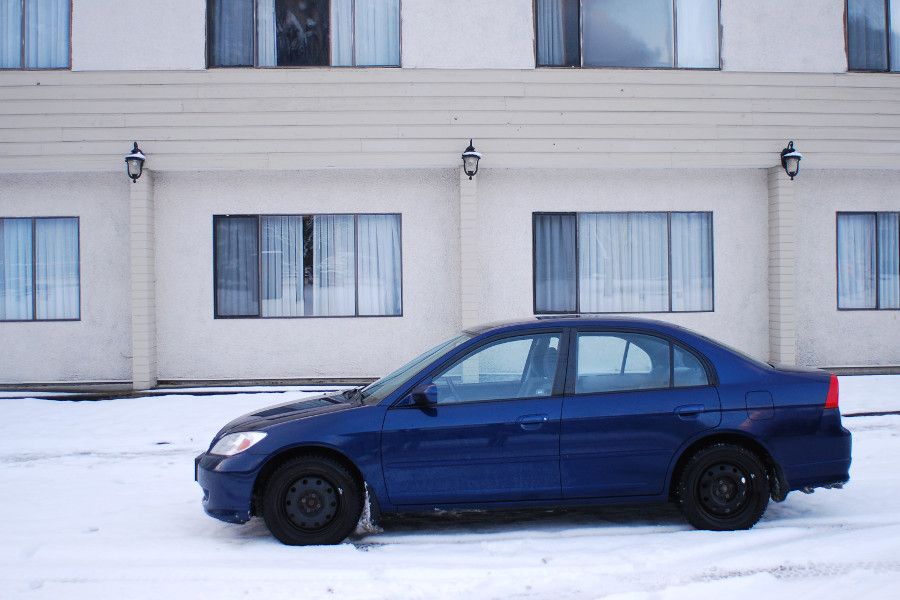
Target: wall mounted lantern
column 470, row 160
column 135, row 163
column 790, row 160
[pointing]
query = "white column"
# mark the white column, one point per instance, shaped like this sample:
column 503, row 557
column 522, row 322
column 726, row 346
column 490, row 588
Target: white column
column 782, row 269
column 143, row 284
column 469, row 267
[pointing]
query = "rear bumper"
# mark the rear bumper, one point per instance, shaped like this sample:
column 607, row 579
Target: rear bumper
column 227, row 495
column 832, row 467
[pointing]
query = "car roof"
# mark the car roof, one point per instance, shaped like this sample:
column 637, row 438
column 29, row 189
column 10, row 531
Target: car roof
column 575, row 320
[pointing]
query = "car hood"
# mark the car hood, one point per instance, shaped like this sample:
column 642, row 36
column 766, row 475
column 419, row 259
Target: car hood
column 288, row 411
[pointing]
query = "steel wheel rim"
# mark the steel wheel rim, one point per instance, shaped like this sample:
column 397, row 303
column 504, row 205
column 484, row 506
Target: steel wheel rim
column 724, row 489
column 311, row 502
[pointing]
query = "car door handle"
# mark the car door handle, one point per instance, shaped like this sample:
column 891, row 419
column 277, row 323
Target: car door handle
column 531, row 422
column 689, row 411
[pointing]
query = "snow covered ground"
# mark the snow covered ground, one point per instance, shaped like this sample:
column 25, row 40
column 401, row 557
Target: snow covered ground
column 99, row 501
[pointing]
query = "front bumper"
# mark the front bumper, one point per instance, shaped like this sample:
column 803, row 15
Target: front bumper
column 227, row 493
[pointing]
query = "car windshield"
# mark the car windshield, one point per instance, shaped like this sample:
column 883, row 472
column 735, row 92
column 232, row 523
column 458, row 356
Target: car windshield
column 381, row 389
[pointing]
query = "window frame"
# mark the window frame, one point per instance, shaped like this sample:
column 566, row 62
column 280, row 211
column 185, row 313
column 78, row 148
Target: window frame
column 887, row 29
column 712, row 379
column 674, row 66
column 34, row 318
column 22, row 62
column 577, row 311
column 259, row 315
column 330, row 64
column 837, row 257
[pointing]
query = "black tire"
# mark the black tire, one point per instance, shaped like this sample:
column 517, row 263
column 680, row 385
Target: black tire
column 311, row 500
column 723, row 488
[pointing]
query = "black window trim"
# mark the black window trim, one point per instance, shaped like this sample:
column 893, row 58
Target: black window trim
column 577, row 311
column 22, row 62
column 258, row 218
column 34, row 318
column 837, row 258
column 712, row 377
column 675, row 66
column 887, row 39
column 330, row 65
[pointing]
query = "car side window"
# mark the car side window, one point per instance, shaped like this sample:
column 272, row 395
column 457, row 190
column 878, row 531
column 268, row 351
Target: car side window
column 614, row 362
column 688, row 371
column 517, row 367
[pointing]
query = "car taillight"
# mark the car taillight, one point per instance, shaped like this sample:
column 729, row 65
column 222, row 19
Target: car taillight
column 832, row 400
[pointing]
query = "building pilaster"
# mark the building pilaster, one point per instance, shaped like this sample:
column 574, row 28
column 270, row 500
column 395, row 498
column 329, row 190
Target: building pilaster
column 143, row 284
column 782, row 268
column 470, row 272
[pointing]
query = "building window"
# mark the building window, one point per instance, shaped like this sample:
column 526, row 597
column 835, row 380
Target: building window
column 34, row 34
column 39, row 272
column 307, row 266
column 873, row 35
column 868, row 261
column 661, row 34
column 302, row 33
column 623, row 262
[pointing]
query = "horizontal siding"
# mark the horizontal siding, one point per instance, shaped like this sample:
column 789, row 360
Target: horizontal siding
column 373, row 118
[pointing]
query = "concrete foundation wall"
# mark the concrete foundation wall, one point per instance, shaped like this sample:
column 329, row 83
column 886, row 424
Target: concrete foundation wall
column 98, row 347
column 194, row 345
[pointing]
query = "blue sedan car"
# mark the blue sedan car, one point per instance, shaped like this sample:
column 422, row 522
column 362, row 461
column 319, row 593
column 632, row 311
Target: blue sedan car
column 565, row 411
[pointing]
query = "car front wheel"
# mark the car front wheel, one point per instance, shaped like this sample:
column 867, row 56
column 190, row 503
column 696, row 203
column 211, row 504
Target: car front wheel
column 723, row 488
column 311, row 501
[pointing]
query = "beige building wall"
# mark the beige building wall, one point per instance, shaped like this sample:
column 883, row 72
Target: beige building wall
column 737, row 198
column 111, row 35
column 98, row 347
column 827, row 336
column 799, row 36
column 194, row 345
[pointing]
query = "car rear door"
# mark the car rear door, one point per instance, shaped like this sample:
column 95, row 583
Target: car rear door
column 493, row 434
column 632, row 399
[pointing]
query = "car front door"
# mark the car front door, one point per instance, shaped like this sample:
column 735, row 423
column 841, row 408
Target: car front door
column 631, row 400
column 491, row 435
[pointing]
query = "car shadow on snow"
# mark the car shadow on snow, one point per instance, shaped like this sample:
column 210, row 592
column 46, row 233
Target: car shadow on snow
column 619, row 520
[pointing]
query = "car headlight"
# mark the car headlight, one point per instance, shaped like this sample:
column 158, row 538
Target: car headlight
column 235, row 443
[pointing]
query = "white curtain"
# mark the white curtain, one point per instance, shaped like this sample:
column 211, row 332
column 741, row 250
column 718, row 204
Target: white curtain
column 282, row 267
column 265, row 33
column 623, row 262
column 56, row 268
column 692, row 288
column 856, row 261
column 554, row 263
column 16, row 275
column 334, row 272
column 551, row 48
column 47, row 34
column 698, row 33
column 889, row 260
column 342, row 33
column 231, row 33
column 10, row 34
column 237, row 267
column 379, row 265
column 365, row 33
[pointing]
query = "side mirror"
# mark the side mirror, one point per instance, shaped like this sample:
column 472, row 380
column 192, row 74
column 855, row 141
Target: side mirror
column 425, row 395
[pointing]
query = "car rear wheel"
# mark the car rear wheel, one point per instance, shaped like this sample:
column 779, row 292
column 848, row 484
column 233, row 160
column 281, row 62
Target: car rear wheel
column 722, row 488
column 310, row 501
